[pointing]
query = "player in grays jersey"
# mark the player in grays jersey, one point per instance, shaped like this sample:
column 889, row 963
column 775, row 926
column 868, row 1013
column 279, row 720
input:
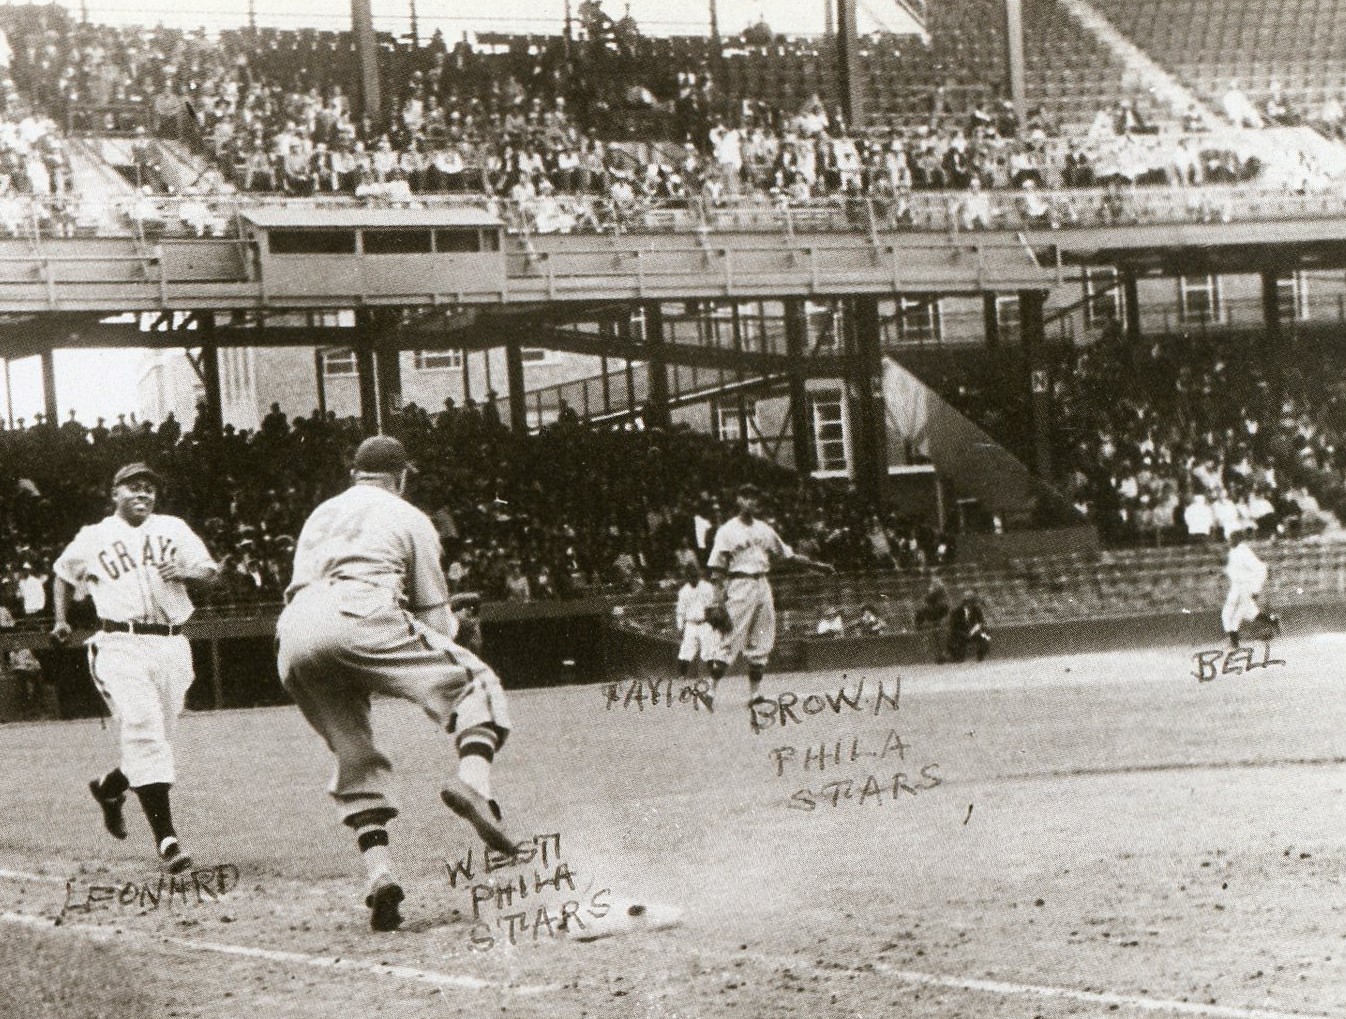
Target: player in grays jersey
column 135, row 564
column 368, row 611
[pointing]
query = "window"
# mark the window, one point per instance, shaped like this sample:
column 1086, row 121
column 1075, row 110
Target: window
column 1200, row 299
column 458, row 242
column 1007, row 313
column 311, row 242
column 1102, row 297
column 727, row 423
column 918, row 320
column 397, row 242
column 437, row 360
column 826, row 325
column 1292, row 297
column 831, row 438
column 339, row 364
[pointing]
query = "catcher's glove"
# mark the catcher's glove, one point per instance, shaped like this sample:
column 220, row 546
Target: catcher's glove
column 718, row 617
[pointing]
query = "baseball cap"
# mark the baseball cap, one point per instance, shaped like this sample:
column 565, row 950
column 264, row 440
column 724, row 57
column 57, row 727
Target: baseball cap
column 381, row 454
column 137, row 470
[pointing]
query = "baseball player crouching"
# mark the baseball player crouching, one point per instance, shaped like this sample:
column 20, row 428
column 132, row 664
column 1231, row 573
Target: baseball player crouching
column 1247, row 576
column 368, row 611
column 135, row 564
column 700, row 640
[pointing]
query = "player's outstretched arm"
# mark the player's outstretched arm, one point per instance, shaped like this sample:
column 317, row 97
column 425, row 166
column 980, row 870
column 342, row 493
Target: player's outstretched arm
column 813, row 564
column 61, row 592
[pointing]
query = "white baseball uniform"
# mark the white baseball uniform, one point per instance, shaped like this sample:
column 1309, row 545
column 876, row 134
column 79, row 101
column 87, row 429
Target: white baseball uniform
column 1247, row 575
column 144, row 678
column 744, row 551
column 699, row 638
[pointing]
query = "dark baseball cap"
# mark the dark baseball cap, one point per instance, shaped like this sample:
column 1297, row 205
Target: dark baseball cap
column 137, row 470
column 382, row 454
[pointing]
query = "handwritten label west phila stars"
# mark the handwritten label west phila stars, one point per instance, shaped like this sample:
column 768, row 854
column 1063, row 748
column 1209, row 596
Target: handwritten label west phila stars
column 509, row 899
column 879, row 786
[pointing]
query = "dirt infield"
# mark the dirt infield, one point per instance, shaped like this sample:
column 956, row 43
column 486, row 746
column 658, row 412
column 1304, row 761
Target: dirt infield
column 1072, row 836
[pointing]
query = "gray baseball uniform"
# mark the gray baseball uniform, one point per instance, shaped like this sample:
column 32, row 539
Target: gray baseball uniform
column 365, row 562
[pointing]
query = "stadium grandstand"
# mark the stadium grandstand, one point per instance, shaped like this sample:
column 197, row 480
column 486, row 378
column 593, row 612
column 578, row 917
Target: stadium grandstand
column 1055, row 208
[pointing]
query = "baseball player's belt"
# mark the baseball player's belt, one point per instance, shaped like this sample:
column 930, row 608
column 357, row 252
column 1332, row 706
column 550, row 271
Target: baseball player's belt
column 135, row 626
column 736, row 574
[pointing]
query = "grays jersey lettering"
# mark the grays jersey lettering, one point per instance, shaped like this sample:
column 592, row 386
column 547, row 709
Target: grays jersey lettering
column 117, row 558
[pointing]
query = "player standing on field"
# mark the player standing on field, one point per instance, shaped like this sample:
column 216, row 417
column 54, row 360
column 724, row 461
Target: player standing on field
column 699, row 638
column 368, row 612
column 136, row 563
column 1247, row 575
column 740, row 559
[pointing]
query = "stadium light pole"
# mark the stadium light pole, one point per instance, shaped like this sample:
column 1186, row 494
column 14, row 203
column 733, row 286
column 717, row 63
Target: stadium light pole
column 849, row 82
column 1014, row 58
column 367, row 53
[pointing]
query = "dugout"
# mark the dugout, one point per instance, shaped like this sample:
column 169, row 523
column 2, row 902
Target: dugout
column 383, row 255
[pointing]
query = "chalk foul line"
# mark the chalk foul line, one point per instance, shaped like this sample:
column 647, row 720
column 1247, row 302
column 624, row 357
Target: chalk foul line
column 123, row 936
column 1003, row 987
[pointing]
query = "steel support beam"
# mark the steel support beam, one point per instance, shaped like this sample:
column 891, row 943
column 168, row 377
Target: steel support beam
column 210, row 371
column 50, row 407
column 1033, row 335
column 864, row 361
column 1014, row 58
column 363, row 345
column 801, row 430
column 990, row 317
column 850, row 79
column 1131, row 307
column 388, row 364
column 367, row 53
column 518, row 395
column 656, row 415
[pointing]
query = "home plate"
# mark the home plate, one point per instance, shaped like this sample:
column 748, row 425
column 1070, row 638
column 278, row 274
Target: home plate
column 626, row 917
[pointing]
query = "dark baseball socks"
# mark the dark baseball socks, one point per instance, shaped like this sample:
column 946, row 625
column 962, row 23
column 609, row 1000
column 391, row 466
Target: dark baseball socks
column 755, row 681
column 158, row 810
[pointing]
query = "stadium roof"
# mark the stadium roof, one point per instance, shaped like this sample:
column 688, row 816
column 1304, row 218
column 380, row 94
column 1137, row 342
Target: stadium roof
column 318, row 216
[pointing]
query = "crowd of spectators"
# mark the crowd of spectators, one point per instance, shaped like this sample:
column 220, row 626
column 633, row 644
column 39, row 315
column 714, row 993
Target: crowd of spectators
column 273, row 111
column 521, row 518
column 1191, row 438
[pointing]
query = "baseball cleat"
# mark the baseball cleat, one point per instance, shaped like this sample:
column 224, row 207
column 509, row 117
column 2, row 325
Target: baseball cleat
column 625, row 918
column 113, row 818
column 173, row 858
column 482, row 814
column 383, row 899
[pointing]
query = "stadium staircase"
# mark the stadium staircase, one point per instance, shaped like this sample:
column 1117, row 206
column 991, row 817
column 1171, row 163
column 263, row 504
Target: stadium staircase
column 1142, row 71
column 1209, row 43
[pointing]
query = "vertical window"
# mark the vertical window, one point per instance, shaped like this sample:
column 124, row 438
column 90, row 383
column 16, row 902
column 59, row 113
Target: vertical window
column 1102, row 297
column 1292, row 297
column 918, row 320
column 831, row 433
column 1200, row 299
column 727, row 424
column 826, row 325
column 1007, row 314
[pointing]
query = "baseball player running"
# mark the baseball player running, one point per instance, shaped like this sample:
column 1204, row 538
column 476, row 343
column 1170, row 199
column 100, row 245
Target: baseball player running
column 135, row 564
column 740, row 559
column 1247, row 575
column 368, row 612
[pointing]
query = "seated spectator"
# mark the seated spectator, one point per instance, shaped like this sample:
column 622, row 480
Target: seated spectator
column 1199, row 518
column 967, row 631
column 830, row 622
